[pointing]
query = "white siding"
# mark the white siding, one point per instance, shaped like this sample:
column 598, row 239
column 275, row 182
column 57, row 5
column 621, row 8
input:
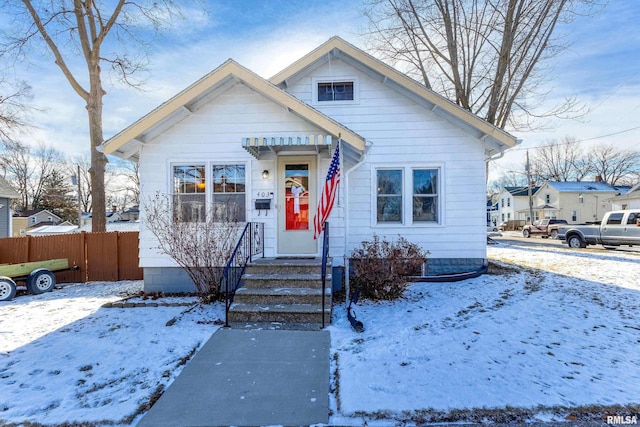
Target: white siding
column 213, row 134
column 405, row 134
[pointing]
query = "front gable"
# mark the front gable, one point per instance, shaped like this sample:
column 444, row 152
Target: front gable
column 130, row 141
column 337, row 60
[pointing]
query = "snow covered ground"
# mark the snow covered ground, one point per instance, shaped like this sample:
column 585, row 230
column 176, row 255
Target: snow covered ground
column 548, row 330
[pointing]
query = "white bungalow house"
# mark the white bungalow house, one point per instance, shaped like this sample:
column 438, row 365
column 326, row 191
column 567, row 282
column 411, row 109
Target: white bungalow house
column 413, row 163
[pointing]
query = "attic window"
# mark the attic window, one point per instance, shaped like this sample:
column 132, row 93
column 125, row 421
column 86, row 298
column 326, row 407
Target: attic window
column 338, row 90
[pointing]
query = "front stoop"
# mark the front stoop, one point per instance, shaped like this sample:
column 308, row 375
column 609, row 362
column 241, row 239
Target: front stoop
column 287, row 291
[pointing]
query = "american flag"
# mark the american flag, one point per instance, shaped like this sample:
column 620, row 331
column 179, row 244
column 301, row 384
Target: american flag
column 328, row 194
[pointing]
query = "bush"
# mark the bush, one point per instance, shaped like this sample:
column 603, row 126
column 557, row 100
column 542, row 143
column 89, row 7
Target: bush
column 382, row 268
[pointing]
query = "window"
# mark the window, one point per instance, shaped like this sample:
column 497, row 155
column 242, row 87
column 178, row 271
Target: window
column 502, row 217
column 508, row 201
column 547, row 199
column 389, row 195
column 189, row 197
column 228, row 198
column 615, row 218
column 425, row 195
column 502, row 203
column 574, row 216
column 508, row 216
column 335, row 91
column 633, row 219
column 223, row 185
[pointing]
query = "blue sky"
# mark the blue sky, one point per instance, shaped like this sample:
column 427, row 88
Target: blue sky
column 601, row 68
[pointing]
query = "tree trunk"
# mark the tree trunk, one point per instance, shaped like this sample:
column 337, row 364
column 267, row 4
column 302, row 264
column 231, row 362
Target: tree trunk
column 98, row 160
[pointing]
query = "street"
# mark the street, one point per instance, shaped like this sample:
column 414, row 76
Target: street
column 516, row 238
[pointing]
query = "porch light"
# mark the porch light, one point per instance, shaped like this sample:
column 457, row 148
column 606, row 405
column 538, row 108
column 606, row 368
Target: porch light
column 265, row 174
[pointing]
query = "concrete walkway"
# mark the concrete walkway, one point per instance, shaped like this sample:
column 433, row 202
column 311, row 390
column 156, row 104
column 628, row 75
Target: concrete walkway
column 250, row 378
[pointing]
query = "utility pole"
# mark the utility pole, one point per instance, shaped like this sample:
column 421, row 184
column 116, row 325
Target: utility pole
column 529, row 188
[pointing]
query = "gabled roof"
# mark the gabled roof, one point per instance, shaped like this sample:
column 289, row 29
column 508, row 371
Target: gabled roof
column 521, row 191
column 497, row 139
column 7, row 191
column 581, row 186
column 127, row 143
column 33, row 212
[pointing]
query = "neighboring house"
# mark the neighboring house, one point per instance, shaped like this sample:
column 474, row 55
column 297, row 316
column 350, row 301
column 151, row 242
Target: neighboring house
column 131, row 214
column 492, row 212
column 629, row 199
column 575, row 202
column 513, row 206
column 413, row 163
column 25, row 220
column 7, row 193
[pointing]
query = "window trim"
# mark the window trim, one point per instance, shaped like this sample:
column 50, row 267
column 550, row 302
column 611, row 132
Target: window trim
column 339, row 79
column 208, row 164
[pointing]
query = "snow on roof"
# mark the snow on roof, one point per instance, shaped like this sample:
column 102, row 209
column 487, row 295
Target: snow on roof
column 116, row 226
column 582, row 186
column 53, row 229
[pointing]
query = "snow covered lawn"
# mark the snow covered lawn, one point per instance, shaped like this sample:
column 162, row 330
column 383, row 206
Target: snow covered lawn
column 63, row 358
column 548, row 330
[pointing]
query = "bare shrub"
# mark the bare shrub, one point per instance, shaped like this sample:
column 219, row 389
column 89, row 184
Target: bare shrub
column 382, row 268
column 202, row 245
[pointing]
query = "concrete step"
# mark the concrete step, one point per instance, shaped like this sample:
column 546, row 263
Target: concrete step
column 265, row 280
column 289, row 313
column 286, row 266
column 281, row 296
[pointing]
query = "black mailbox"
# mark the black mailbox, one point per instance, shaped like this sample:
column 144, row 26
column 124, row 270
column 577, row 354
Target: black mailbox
column 263, row 204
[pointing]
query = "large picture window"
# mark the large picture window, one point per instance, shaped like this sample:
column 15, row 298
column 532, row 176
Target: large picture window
column 389, row 195
column 425, row 195
column 189, row 193
column 200, row 190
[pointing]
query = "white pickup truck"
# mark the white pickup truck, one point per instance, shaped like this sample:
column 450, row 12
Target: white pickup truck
column 616, row 229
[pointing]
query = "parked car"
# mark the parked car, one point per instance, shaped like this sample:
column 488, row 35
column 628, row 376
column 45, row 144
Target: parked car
column 545, row 228
column 616, row 229
column 491, row 228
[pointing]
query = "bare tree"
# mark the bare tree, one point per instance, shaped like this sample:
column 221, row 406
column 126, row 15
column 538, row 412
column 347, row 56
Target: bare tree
column 487, row 56
column 201, row 247
column 29, row 169
column 83, row 164
column 72, row 29
column 13, row 108
column 560, row 161
column 123, row 186
column 614, row 166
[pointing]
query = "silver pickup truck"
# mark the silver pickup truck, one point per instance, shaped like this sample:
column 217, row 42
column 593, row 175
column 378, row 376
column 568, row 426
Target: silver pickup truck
column 616, row 229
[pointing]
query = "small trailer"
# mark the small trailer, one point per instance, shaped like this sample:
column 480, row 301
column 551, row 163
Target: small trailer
column 37, row 275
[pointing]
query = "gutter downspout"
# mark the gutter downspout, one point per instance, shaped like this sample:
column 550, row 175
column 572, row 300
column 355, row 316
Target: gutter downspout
column 347, row 173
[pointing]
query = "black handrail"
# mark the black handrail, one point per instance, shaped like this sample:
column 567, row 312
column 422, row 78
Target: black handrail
column 325, row 256
column 250, row 243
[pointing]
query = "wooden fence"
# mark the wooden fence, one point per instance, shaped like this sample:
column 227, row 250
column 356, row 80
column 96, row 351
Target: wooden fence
column 100, row 256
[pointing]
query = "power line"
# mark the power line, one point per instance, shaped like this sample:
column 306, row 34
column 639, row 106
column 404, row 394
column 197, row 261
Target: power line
column 581, row 140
